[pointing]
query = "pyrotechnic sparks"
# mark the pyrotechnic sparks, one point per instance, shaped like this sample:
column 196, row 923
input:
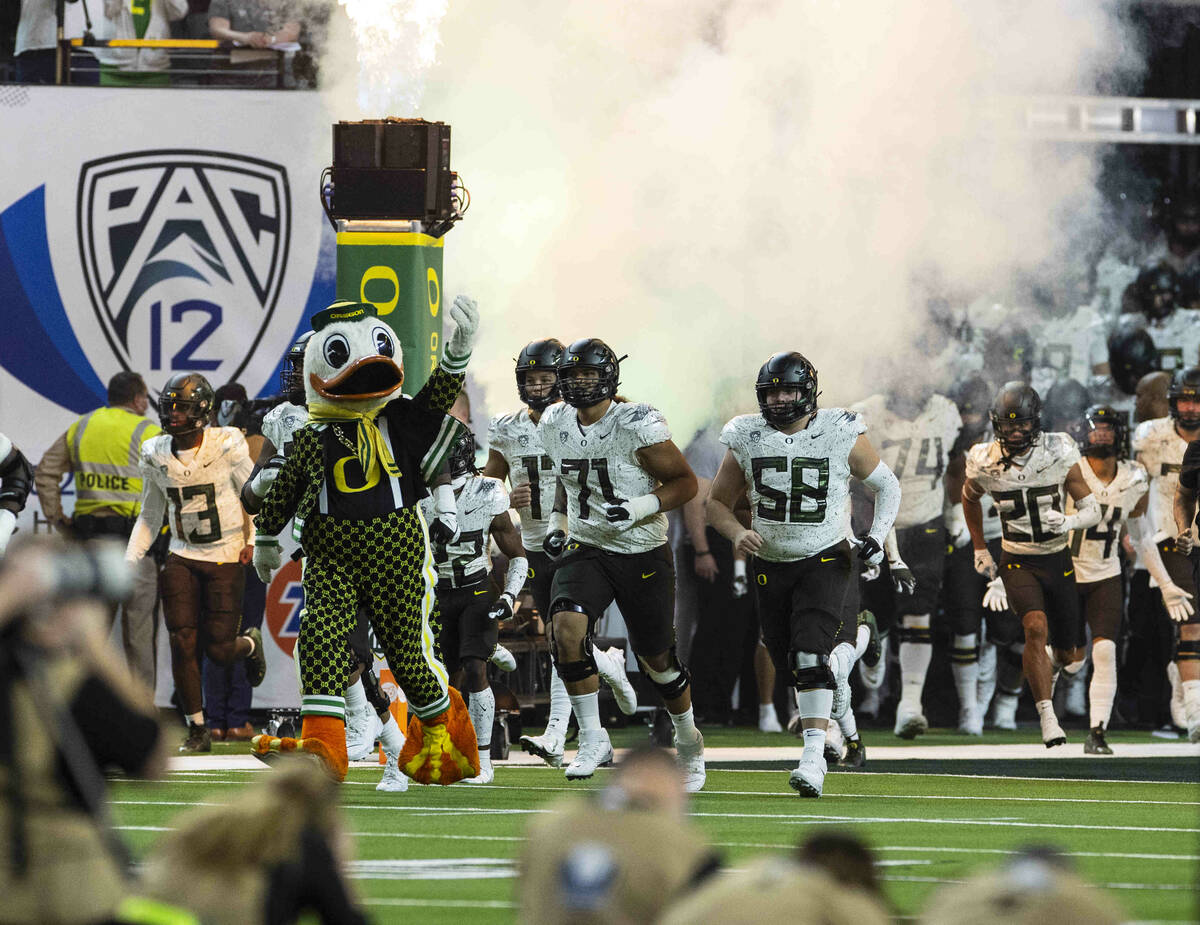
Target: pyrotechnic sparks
column 396, row 43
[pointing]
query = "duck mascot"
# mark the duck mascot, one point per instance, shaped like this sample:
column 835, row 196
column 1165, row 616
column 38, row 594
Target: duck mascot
column 351, row 481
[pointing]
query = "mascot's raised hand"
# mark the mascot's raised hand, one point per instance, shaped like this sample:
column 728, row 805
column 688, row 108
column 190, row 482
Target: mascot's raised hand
column 464, row 312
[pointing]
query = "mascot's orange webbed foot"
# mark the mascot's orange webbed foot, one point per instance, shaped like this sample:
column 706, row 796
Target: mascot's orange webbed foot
column 325, row 737
column 441, row 750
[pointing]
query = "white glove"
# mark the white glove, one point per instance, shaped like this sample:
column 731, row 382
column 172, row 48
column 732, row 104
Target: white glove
column 995, row 597
column 8, row 523
column 443, row 529
column 265, row 476
column 267, row 558
column 465, row 314
column 985, row 565
column 627, row 513
column 1054, row 521
column 870, row 550
column 1177, row 601
column 871, row 572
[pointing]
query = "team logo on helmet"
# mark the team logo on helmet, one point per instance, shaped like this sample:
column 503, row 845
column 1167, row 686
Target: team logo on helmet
column 173, row 242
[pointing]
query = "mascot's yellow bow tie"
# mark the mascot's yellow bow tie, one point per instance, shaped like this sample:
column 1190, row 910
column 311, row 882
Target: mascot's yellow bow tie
column 372, row 449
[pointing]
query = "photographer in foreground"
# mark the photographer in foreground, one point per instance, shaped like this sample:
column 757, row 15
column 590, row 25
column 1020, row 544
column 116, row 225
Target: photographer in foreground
column 67, row 711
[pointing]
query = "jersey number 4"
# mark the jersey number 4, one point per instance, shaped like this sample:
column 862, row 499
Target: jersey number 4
column 207, row 517
column 1013, row 506
column 805, row 503
column 1102, row 531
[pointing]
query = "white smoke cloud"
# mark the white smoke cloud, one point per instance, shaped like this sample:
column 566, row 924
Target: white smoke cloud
column 703, row 183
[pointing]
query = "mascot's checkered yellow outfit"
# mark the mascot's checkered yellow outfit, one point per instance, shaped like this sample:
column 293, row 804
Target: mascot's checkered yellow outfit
column 351, row 480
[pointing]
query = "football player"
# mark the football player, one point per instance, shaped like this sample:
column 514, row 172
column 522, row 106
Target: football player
column 1120, row 486
column 515, row 451
column 194, row 473
column 1187, row 652
column 913, row 430
column 977, row 642
column 16, row 481
column 470, row 612
column 1028, row 472
column 795, row 462
column 1161, row 446
column 619, row 472
column 1175, row 331
column 367, row 708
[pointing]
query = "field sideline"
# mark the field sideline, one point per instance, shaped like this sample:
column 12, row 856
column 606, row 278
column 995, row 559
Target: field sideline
column 933, row 813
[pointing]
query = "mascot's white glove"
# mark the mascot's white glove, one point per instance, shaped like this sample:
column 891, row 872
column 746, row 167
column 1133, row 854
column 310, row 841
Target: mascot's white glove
column 627, row 513
column 985, row 565
column 8, row 523
column 995, row 597
column 465, row 315
column 1177, row 601
column 267, row 558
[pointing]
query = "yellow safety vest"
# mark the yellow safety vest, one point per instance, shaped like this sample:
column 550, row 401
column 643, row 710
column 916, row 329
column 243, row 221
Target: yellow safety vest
column 104, row 447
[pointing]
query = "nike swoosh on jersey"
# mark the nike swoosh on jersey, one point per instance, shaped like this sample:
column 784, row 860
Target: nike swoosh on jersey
column 830, row 559
column 650, row 575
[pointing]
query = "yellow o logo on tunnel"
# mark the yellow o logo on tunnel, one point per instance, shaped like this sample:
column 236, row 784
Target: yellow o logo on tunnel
column 388, row 275
column 433, row 291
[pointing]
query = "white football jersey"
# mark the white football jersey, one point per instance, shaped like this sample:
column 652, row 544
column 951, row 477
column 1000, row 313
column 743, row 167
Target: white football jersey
column 1022, row 492
column 799, row 484
column 598, row 465
column 202, row 496
column 1068, row 348
column 916, row 451
column 1160, row 449
column 1177, row 338
column 515, row 437
column 281, row 422
column 467, row 561
column 1095, row 550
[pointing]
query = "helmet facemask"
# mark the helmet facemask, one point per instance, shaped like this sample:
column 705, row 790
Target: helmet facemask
column 1016, row 435
column 584, row 391
column 538, row 397
column 1188, row 420
column 781, row 412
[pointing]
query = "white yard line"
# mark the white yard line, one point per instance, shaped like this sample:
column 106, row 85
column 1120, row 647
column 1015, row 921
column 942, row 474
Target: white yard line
column 442, row 901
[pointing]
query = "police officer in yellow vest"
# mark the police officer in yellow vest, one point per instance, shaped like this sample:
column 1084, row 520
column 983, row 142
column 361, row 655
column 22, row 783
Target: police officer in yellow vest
column 102, row 450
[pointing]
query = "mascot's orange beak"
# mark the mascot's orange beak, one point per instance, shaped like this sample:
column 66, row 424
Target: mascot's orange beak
column 370, row 377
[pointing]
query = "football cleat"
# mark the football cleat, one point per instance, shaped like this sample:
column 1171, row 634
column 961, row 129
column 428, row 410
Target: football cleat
column 547, row 746
column 394, row 780
column 870, row 658
column 970, row 722
column 362, row 728
column 503, row 659
column 691, row 761
column 870, row 704
column 809, row 777
column 1075, row 702
column 595, row 751
column 1052, row 732
column 856, row 754
column 198, row 741
column 833, row 743
column 910, row 723
column 256, row 661
column 486, row 772
column 1096, row 744
column 613, row 674
column 768, row 721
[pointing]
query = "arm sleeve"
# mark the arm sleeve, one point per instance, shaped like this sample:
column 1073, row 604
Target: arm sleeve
column 886, row 486
column 283, row 497
column 16, row 477
column 150, row 518
column 47, row 478
column 440, row 391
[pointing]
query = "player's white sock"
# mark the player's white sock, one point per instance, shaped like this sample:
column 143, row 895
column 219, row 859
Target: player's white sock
column 814, row 704
column 964, row 665
column 1191, row 703
column 986, row 685
column 1103, row 688
column 1050, row 727
column 560, row 706
column 685, row 726
column 862, row 639
column 587, row 712
column 848, row 724
column 196, row 719
column 390, row 737
column 356, row 697
column 916, row 651
column 482, row 710
column 1055, row 668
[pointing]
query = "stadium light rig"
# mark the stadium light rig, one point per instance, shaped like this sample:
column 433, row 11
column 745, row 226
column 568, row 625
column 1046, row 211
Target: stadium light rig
column 393, row 169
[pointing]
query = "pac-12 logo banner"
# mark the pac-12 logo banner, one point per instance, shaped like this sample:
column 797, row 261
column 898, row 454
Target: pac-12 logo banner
column 174, row 244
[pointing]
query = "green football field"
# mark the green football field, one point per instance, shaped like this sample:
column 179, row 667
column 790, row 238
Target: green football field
column 1131, row 824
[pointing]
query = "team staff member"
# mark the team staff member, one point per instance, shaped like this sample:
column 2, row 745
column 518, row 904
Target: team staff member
column 101, row 449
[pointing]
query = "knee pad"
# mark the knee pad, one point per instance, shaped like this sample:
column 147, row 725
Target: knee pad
column 672, row 682
column 915, row 629
column 375, row 696
column 1188, row 650
column 811, row 671
column 566, row 605
column 571, row 672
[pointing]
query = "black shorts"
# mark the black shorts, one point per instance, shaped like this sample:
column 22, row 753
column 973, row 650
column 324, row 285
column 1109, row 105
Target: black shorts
column 360, row 639
column 541, row 572
column 1182, row 572
column 923, row 549
column 642, row 584
column 802, row 604
column 1103, row 604
column 205, row 597
column 962, row 597
column 467, row 630
column 848, row 632
column 1045, row 583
